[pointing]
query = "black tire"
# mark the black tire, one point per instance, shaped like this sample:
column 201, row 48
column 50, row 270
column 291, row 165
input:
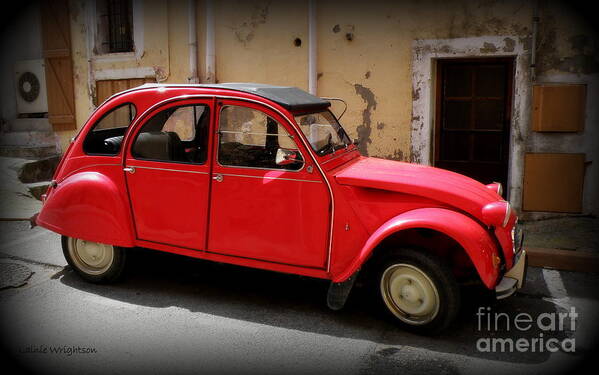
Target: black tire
column 420, row 282
column 109, row 271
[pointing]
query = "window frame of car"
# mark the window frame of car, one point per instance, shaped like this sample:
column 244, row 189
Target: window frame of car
column 107, row 113
column 176, row 104
column 290, row 129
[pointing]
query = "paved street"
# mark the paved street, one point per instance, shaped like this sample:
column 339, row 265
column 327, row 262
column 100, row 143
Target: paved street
column 177, row 315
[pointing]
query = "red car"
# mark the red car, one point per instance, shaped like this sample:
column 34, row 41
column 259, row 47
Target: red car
column 265, row 176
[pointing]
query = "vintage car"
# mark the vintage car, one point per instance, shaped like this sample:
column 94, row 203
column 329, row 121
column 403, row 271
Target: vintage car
column 265, row 176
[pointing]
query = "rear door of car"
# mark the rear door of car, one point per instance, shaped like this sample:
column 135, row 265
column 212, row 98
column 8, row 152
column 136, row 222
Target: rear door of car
column 167, row 167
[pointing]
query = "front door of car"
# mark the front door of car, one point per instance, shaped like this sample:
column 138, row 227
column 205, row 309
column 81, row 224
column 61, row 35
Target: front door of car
column 167, row 171
column 261, row 209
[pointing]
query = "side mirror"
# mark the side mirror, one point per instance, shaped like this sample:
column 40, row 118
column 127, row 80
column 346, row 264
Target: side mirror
column 286, row 157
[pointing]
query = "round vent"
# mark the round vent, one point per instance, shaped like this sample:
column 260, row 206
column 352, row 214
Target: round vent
column 29, row 86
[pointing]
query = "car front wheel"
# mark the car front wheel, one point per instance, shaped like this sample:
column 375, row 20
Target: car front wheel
column 418, row 290
column 93, row 261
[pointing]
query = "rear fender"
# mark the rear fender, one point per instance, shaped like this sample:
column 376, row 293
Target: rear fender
column 89, row 206
column 477, row 243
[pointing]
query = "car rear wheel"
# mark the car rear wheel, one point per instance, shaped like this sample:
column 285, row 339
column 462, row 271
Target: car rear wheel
column 418, row 290
column 93, row 261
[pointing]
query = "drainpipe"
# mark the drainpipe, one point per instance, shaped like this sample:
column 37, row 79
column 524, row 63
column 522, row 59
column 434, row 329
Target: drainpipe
column 210, row 54
column 193, row 42
column 533, row 47
column 312, row 74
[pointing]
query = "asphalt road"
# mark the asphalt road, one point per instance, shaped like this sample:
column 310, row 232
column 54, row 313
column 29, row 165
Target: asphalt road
column 178, row 315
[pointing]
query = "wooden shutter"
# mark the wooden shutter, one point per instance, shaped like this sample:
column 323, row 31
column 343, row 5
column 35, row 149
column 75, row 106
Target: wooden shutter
column 56, row 39
column 558, row 108
column 553, row 182
column 106, row 88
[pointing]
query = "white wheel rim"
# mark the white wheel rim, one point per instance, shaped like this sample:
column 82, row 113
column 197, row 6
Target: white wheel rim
column 410, row 294
column 91, row 257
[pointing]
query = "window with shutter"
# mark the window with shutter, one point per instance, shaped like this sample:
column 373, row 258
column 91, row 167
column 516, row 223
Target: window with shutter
column 56, row 39
column 106, row 88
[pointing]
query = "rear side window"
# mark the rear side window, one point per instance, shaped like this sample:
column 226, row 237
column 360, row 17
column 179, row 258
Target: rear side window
column 177, row 134
column 106, row 137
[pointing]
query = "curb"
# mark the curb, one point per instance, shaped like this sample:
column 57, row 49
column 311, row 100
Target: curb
column 565, row 260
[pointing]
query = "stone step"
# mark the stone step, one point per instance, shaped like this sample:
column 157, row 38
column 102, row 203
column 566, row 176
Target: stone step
column 36, row 189
column 28, row 138
column 566, row 260
column 28, row 125
column 38, row 170
column 16, row 202
column 28, row 152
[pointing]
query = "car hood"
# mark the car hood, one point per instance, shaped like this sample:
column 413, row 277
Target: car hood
column 440, row 185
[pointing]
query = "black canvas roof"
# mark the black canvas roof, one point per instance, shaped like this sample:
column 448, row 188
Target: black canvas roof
column 288, row 97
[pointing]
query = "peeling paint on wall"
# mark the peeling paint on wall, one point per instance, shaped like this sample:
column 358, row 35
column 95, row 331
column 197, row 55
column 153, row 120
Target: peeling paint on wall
column 415, row 93
column 509, row 46
column 245, row 31
column 572, row 54
column 397, row 155
column 365, row 129
column 488, row 48
column 160, row 73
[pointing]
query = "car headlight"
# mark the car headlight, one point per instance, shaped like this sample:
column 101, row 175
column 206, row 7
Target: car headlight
column 497, row 214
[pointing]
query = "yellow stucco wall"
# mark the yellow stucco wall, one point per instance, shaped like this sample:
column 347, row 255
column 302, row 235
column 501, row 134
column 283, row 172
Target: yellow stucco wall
column 364, row 58
column 372, row 71
column 255, row 42
column 178, row 46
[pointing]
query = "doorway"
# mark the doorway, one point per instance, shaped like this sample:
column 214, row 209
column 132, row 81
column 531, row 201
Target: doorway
column 473, row 117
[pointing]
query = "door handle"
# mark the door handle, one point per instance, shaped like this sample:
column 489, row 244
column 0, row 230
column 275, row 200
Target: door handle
column 129, row 169
column 218, row 177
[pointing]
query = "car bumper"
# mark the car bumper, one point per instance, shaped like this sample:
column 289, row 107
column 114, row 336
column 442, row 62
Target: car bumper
column 514, row 279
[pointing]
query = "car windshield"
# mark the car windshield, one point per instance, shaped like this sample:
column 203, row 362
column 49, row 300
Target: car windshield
column 323, row 131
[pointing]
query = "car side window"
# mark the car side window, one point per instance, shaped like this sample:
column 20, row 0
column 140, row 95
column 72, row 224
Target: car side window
column 250, row 138
column 106, row 137
column 177, row 134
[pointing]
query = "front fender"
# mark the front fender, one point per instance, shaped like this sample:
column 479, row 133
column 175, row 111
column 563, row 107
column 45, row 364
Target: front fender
column 468, row 233
column 89, row 206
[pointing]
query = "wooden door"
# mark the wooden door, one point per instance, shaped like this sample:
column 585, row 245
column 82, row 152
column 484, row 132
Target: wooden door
column 473, row 117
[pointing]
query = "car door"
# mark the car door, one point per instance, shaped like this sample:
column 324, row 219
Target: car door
column 167, row 173
column 259, row 209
